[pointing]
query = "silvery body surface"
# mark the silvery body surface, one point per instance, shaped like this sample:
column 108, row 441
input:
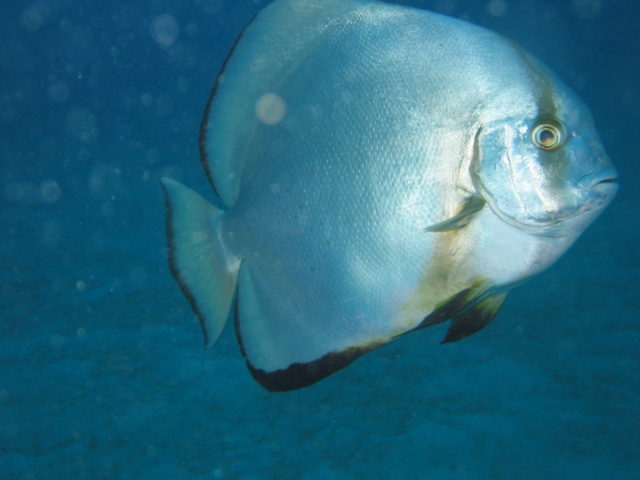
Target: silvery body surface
column 382, row 169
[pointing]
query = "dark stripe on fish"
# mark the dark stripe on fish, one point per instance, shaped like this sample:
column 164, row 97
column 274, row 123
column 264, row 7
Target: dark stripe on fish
column 545, row 98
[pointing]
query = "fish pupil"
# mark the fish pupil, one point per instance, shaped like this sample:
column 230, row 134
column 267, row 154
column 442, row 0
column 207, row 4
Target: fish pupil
column 547, row 137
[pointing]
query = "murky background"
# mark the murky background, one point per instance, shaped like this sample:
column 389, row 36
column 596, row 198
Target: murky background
column 102, row 370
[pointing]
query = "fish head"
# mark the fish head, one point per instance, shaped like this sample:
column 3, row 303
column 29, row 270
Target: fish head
column 539, row 162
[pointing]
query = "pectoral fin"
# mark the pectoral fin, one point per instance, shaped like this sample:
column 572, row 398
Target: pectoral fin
column 470, row 206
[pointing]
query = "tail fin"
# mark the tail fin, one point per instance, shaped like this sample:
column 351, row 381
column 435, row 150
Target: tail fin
column 204, row 271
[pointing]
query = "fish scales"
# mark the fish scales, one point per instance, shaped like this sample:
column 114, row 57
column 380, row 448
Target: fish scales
column 382, row 169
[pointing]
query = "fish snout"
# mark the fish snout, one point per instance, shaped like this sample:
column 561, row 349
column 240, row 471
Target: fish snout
column 604, row 179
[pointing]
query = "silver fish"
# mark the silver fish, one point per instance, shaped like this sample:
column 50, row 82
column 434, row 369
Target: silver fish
column 381, row 169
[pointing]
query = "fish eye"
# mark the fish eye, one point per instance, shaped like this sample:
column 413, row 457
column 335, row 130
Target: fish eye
column 548, row 135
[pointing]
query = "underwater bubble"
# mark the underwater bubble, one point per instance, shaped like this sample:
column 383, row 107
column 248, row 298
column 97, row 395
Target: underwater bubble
column 497, row 8
column 587, row 8
column 183, row 85
column 152, row 450
column 8, row 115
column 104, row 179
column 210, row 7
column 152, row 155
column 57, row 340
column 32, row 18
column 164, row 30
column 66, row 25
column 25, row 193
column 51, row 232
column 107, row 209
column 192, row 29
column 138, row 277
column 270, row 109
column 50, row 191
column 147, row 99
column 59, row 91
column 445, row 6
column 81, row 124
column 164, row 104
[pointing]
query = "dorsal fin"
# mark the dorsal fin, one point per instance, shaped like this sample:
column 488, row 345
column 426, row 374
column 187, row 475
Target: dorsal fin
column 272, row 44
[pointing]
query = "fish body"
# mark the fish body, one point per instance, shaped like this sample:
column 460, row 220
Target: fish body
column 381, row 169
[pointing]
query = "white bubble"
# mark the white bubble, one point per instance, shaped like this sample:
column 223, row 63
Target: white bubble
column 192, row 29
column 8, row 115
column 57, row 340
column 164, row 105
column 32, row 18
column 270, row 109
column 104, row 180
column 80, row 285
column 59, row 91
column 445, row 6
column 50, row 191
column 66, row 25
column 26, row 193
column 183, row 86
column 210, row 7
column 51, row 232
column 497, row 8
column 587, row 8
column 147, row 99
column 164, row 30
column 81, row 124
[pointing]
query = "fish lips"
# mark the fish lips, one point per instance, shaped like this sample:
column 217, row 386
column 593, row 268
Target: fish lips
column 604, row 180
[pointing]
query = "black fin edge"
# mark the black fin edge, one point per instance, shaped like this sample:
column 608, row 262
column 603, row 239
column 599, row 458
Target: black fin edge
column 299, row 375
column 173, row 267
column 202, row 134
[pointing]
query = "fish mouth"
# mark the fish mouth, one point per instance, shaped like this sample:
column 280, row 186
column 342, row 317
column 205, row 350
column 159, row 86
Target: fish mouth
column 605, row 179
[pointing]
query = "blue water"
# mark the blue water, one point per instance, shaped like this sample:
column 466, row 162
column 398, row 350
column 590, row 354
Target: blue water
column 102, row 370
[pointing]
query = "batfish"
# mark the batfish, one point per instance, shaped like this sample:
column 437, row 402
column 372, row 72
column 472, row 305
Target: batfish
column 378, row 169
